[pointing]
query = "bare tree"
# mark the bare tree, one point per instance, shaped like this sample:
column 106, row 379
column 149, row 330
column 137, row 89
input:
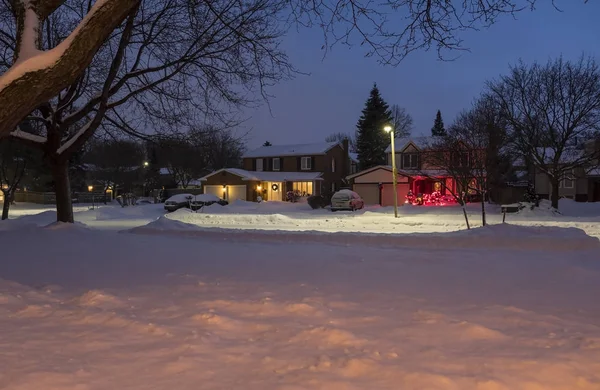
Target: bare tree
column 340, row 137
column 115, row 163
column 402, row 122
column 419, row 25
column 551, row 111
column 184, row 161
column 35, row 75
column 12, row 169
column 170, row 63
column 449, row 157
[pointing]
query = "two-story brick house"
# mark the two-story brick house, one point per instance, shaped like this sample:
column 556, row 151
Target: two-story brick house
column 271, row 171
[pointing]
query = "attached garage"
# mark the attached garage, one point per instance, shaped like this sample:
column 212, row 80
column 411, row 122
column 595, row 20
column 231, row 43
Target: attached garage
column 375, row 186
column 214, row 190
column 236, row 192
column 370, row 193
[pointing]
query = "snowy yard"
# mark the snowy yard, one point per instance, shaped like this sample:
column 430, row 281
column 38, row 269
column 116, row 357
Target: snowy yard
column 140, row 301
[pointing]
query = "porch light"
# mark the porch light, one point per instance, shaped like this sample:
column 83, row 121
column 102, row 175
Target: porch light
column 146, row 163
column 90, row 188
column 258, row 187
column 224, row 188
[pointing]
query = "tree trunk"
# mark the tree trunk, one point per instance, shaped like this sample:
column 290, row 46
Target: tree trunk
column 464, row 207
column 483, row 221
column 6, row 205
column 554, row 196
column 62, row 188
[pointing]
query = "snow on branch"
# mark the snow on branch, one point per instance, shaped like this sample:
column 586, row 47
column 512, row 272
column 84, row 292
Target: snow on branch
column 36, row 79
column 38, row 139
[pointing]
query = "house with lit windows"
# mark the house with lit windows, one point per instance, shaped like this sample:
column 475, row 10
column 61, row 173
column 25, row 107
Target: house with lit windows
column 271, row 172
column 414, row 174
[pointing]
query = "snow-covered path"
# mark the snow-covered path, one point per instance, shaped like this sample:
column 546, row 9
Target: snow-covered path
column 89, row 309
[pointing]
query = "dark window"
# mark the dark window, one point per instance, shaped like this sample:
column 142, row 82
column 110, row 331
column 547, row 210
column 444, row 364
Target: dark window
column 410, row 161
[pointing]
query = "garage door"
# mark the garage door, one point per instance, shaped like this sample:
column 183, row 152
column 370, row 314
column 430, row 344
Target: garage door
column 236, row 193
column 214, row 190
column 369, row 192
column 387, row 196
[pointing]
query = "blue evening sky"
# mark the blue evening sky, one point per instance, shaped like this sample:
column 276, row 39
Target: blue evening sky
column 330, row 99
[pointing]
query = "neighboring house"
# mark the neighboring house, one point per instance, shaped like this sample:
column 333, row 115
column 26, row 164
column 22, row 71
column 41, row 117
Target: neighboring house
column 375, row 185
column 271, row 171
column 581, row 184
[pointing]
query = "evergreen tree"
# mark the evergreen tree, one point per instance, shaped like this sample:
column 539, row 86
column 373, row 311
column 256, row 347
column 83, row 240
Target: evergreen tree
column 371, row 139
column 438, row 128
column 267, row 143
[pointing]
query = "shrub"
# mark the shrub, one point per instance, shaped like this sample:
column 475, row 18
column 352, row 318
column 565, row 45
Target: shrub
column 317, row 201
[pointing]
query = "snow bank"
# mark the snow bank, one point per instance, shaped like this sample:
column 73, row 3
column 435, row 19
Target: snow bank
column 114, row 212
column 490, row 237
column 164, row 224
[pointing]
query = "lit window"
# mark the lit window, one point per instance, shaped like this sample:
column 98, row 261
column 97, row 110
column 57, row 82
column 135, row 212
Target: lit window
column 306, row 164
column 304, row 188
column 259, row 164
column 276, row 164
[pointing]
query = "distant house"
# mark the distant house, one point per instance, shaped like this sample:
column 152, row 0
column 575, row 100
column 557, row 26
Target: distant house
column 581, row 184
column 375, row 185
column 270, row 172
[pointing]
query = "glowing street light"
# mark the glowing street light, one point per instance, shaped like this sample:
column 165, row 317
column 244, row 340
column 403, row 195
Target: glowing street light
column 146, row 163
column 389, row 129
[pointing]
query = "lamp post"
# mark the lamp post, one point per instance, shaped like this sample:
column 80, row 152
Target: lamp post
column 90, row 189
column 389, row 129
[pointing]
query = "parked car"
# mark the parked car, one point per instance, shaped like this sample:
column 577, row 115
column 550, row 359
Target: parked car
column 178, row 201
column 346, row 200
column 202, row 200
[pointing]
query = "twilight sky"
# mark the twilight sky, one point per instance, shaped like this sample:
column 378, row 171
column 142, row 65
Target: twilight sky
column 331, row 98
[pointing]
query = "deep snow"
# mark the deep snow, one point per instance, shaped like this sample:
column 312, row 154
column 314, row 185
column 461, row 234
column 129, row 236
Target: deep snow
column 167, row 304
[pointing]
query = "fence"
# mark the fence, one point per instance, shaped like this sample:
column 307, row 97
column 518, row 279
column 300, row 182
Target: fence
column 50, row 197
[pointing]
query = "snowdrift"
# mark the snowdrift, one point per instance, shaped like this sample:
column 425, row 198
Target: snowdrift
column 497, row 237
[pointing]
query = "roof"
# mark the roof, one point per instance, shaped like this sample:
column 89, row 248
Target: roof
column 291, row 150
column 419, row 142
column 268, row 176
column 408, row 173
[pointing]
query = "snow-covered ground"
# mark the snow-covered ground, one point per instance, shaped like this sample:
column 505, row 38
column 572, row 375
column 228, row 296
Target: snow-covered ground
column 131, row 299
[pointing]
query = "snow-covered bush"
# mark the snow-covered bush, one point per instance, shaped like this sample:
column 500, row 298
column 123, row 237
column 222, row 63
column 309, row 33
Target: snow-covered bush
column 317, row 202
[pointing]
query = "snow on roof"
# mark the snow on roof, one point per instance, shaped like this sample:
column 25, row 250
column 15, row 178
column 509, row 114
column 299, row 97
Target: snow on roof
column 269, row 176
column 419, row 142
column 291, row 150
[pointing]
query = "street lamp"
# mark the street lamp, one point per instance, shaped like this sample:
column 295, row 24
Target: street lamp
column 389, row 129
column 146, row 163
column 90, row 189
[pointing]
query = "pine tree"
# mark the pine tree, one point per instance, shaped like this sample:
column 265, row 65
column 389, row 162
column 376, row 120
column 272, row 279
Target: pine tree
column 438, row 128
column 371, row 139
column 267, row 143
